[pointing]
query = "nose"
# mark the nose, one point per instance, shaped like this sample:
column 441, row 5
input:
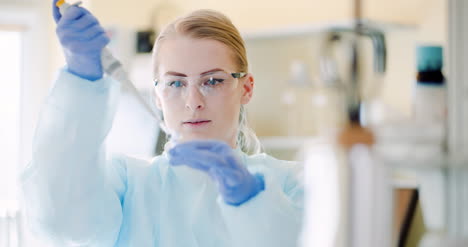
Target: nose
column 194, row 100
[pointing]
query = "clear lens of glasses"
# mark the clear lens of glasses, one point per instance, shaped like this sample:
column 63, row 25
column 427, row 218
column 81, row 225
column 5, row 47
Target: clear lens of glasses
column 208, row 85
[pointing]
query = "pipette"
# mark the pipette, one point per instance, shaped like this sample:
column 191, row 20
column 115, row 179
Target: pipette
column 114, row 68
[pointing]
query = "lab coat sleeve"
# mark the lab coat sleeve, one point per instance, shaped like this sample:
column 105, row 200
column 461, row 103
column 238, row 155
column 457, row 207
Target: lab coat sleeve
column 66, row 191
column 273, row 217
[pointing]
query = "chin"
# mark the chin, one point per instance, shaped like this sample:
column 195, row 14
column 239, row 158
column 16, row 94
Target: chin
column 198, row 136
column 205, row 136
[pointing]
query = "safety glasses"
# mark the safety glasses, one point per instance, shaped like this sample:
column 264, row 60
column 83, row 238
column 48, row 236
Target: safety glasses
column 210, row 84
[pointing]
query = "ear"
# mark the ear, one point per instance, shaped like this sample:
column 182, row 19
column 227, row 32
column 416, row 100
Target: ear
column 247, row 88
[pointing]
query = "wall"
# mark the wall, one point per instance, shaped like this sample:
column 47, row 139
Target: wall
column 246, row 14
column 255, row 15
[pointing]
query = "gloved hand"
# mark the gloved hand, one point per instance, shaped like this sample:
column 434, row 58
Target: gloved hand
column 82, row 39
column 217, row 159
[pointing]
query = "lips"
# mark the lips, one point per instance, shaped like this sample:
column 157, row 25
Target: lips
column 196, row 122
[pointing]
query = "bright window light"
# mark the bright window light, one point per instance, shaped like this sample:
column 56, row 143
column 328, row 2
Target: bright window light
column 10, row 85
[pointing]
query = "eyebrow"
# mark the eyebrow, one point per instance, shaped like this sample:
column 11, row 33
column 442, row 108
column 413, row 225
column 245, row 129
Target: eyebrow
column 173, row 73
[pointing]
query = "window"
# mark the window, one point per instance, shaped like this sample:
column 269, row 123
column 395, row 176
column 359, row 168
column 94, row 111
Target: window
column 10, row 85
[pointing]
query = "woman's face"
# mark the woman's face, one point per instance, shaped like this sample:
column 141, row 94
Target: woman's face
column 196, row 92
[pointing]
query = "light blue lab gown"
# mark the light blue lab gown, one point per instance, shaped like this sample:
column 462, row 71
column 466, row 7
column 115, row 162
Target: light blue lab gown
column 75, row 195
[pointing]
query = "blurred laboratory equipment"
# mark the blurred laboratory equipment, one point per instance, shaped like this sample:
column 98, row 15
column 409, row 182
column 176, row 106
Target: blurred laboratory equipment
column 429, row 92
column 292, row 97
column 348, row 189
column 350, row 183
column 346, row 185
column 306, row 100
column 416, row 147
column 350, row 75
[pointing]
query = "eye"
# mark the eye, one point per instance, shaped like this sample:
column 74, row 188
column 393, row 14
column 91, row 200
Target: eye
column 175, row 84
column 214, row 81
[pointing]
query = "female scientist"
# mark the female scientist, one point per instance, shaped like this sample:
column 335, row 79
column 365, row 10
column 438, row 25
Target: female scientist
column 204, row 191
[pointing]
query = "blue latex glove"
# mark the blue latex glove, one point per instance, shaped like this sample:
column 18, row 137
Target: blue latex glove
column 82, row 39
column 217, row 159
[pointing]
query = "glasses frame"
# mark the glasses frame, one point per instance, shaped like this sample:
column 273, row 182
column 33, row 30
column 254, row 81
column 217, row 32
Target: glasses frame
column 235, row 75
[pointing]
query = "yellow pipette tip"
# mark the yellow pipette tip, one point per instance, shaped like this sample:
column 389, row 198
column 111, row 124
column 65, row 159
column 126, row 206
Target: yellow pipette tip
column 59, row 3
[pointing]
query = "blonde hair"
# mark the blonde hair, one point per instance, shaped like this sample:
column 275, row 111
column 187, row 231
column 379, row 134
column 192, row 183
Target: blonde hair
column 213, row 25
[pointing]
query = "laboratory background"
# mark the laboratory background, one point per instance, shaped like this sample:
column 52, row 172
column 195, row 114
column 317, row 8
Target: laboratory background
column 319, row 66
